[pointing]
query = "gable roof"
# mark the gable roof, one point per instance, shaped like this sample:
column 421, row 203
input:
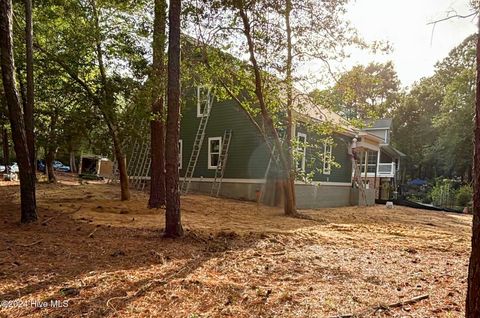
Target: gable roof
column 304, row 106
column 383, row 123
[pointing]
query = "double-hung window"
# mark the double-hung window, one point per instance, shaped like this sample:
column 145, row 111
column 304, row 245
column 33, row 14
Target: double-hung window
column 371, row 160
column 327, row 158
column 214, row 149
column 301, row 151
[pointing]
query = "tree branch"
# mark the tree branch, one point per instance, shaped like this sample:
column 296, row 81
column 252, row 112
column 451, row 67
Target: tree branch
column 454, row 16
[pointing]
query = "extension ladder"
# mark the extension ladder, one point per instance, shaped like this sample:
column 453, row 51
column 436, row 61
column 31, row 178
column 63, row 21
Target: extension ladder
column 357, row 177
column 273, row 157
column 197, row 145
column 222, row 162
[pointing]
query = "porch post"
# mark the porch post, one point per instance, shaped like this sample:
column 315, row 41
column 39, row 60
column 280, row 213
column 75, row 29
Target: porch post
column 376, row 171
column 366, row 167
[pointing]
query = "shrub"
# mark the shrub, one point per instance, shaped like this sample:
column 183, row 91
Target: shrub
column 427, row 198
column 464, row 195
column 443, row 193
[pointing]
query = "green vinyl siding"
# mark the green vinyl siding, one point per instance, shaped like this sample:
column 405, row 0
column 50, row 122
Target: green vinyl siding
column 341, row 157
column 247, row 156
column 339, row 154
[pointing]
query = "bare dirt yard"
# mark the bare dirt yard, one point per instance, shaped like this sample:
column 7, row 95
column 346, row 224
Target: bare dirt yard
column 91, row 255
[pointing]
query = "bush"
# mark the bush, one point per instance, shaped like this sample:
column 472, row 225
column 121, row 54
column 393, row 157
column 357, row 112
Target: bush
column 464, row 195
column 443, row 193
column 427, row 199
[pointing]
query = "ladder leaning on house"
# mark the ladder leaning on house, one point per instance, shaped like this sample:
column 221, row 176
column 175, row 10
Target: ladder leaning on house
column 222, row 162
column 197, row 144
column 357, row 178
column 274, row 157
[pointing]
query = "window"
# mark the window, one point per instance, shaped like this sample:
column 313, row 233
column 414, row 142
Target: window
column 214, row 148
column 371, row 162
column 301, row 151
column 203, row 96
column 180, row 153
column 327, row 158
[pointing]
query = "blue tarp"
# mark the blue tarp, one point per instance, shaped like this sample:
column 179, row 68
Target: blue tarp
column 417, row 182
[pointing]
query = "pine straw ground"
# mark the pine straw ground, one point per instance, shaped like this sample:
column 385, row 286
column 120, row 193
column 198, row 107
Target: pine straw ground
column 108, row 259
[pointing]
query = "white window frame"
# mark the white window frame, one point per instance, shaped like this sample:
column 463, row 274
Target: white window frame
column 210, row 151
column 199, row 102
column 303, row 147
column 327, row 157
column 180, row 153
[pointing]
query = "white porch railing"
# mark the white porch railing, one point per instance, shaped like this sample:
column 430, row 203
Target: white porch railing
column 386, row 169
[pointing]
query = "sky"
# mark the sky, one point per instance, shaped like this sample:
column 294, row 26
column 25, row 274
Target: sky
column 404, row 24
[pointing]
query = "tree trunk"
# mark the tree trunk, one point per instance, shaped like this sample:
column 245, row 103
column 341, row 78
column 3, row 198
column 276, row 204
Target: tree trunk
column 6, row 149
column 27, row 180
column 157, row 126
column 173, row 223
column 73, row 163
column 49, row 164
column 29, row 104
column 51, row 148
column 289, row 186
column 469, row 174
column 289, row 200
column 473, row 293
column 108, row 111
column 122, row 169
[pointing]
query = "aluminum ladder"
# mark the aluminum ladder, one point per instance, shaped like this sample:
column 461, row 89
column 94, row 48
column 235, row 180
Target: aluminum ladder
column 273, row 157
column 222, row 162
column 197, row 144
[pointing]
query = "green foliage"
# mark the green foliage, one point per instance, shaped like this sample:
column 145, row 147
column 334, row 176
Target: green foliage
column 433, row 123
column 68, row 84
column 443, row 193
column 365, row 92
column 217, row 58
column 448, row 193
column 464, row 195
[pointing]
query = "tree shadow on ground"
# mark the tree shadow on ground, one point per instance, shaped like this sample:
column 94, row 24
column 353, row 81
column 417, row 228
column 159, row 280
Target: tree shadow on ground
column 38, row 260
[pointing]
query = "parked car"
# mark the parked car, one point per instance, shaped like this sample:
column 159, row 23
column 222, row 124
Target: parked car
column 57, row 165
column 14, row 167
column 41, row 165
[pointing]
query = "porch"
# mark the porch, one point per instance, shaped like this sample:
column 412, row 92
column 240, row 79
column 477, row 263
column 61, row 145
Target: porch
column 383, row 170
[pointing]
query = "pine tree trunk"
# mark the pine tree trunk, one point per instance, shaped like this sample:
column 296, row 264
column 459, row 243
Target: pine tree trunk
column 108, row 111
column 157, row 126
column 6, row 149
column 473, row 293
column 51, row 148
column 122, row 170
column 289, row 186
column 27, row 180
column 173, row 224
column 289, row 199
column 29, row 104
column 73, row 163
column 49, row 164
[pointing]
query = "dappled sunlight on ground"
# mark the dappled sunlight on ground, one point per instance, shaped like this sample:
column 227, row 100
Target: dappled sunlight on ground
column 238, row 259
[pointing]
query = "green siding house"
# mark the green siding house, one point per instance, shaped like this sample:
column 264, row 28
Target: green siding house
column 249, row 157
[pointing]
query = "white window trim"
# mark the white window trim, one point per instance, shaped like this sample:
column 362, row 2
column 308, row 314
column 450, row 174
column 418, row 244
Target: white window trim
column 327, row 157
column 199, row 104
column 210, row 153
column 304, row 149
column 180, row 153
